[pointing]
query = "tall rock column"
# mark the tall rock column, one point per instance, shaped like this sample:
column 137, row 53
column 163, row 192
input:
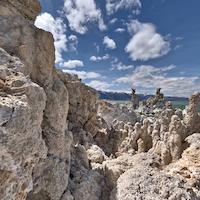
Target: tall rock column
column 192, row 117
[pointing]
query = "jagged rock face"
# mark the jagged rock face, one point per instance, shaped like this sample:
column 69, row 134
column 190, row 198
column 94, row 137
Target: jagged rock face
column 26, row 153
column 116, row 123
column 135, row 100
column 19, row 37
column 192, row 117
column 82, row 108
column 114, row 168
column 162, row 137
column 54, row 145
column 83, row 104
column 95, row 154
column 29, row 8
column 84, row 182
column 179, row 180
column 111, row 113
column 157, row 100
column 22, row 103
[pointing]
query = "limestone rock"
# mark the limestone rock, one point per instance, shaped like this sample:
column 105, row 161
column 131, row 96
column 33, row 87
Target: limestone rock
column 84, row 182
column 58, row 142
column 19, row 37
column 51, row 179
column 157, row 100
column 22, row 103
column 192, row 117
column 47, row 120
column 90, row 187
column 188, row 167
column 135, row 100
column 114, row 168
column 83, row 102
column 151, row 182
column 110, row 112
column 96, row 154
column 28, row 8
column 67, row 196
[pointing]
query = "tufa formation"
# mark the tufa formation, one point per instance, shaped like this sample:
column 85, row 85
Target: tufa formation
column 59, row 142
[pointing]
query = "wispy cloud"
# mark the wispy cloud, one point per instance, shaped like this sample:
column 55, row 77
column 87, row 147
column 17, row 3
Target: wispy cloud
column 112, row 21
column 120, row 30
column 147, row 78
column 97, row 47
column 120, row 66
column 146, row 43
column 79, row 13
column 58, row 29
column 73, row 42
column 100, row 85
column 179, row 38
column 178, row 46
column 113, row 6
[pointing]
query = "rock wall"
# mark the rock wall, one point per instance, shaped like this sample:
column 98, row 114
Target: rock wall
column 34, row 108
column 43, row 112
column 22, row 103
column 179, row 180
column 57, row 142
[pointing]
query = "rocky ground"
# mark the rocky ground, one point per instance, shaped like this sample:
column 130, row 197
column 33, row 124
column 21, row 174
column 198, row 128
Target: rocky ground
column 59, row 142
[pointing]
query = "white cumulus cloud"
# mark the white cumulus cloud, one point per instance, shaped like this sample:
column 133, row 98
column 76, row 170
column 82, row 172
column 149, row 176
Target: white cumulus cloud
column 81, row 12
column 71, row 64
column 99, row 58
column 109, row 43
column 57, row 27
column 83, row 74
column 146, row 43
column 147, row 78
column 100, row 85
column 120, row 66
column 73, row 38
column 113, row 6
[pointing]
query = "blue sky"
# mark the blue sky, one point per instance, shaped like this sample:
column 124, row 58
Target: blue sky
column 114, row 45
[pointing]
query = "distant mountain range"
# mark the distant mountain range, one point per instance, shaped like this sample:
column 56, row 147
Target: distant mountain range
column 119, row 96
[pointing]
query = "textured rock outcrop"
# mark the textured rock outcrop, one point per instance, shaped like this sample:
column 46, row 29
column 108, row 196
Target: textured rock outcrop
column 157, row 100
column 155, row 151
column 115, row 124
column 46, row 109
column 192, row 116
column 110, row 113
column 22, row 103
column 57, row 113
column 82, row 113
column 135, row 100
column 58, row 142
column 179, row 180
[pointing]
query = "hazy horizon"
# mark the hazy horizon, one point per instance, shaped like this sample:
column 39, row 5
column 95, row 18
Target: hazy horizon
column 129, row 93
